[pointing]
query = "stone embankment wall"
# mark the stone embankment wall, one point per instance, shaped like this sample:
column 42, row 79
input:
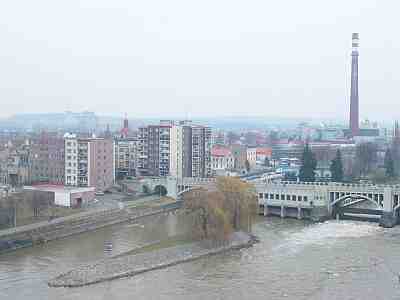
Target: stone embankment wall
column 130, row 265
column 63, row 227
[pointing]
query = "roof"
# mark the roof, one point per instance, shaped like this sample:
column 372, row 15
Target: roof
column 264, row 151
column 219, row 150
column 58, row 188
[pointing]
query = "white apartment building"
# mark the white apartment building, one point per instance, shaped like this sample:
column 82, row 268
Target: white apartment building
column 180, row 159
column 176, row 156
column 177, row 149
column 71, row 159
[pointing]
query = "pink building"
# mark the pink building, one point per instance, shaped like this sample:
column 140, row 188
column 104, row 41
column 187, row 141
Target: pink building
column 89, row 162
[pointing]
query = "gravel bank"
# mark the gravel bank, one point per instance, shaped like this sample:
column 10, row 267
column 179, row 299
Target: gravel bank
column 113, row 268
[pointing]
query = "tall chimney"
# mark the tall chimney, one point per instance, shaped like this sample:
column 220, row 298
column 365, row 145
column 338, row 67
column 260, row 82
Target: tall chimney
column 354, row 105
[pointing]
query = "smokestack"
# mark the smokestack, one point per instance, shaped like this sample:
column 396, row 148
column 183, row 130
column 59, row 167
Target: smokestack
column 354, row 101
column 355, row 40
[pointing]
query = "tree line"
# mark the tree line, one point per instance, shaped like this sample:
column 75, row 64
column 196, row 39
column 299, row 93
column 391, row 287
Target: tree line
column 363, row 165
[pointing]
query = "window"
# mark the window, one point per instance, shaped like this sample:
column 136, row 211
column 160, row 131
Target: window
column 282, row 197
column 271, row 196
column 305, row 199
column 293, row 197
column 266, row 196
column 299, row 198
column 260, row 195
column 287, row 197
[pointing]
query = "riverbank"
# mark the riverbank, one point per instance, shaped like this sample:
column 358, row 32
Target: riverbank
column 131, row 265
column 38, row 233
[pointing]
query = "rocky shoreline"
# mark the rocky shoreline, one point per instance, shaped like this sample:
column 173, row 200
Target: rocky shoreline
column 131, row 265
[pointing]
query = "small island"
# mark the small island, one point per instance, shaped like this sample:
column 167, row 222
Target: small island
column 222, row 219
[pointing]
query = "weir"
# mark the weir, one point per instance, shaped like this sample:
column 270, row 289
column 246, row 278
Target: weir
column 322, row 200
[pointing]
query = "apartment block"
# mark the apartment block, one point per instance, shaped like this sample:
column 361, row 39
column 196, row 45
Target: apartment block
column 46, row 159
column 178, row 149
column 89, row 162
column 154, row 149
column 126, row 157
column 181, row 155
column 201, row 151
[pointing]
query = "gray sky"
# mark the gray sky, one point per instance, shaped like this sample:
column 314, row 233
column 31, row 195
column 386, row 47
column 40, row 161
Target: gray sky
column 203, row 58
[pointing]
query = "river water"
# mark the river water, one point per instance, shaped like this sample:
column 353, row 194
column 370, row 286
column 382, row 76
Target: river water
column 294, row 260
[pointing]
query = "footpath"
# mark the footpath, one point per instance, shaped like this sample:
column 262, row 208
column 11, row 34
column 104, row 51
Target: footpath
column 130, row 265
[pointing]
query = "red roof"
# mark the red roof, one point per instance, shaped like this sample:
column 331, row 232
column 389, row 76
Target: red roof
column 219, row 150
column 264, row 151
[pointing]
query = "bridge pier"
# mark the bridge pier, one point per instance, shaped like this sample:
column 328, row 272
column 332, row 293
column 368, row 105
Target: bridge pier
column 299, row 214
column 388, row 220
column 283, row 211
column 265, row 210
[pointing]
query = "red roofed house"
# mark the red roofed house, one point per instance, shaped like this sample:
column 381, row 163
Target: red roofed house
column 262, row 153
column 221, row 158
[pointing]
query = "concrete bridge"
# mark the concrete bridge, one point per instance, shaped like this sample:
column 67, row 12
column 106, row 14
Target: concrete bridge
column 174, row 186
column 319, row 200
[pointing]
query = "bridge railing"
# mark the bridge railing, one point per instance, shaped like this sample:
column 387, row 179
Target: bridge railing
column 328, row 184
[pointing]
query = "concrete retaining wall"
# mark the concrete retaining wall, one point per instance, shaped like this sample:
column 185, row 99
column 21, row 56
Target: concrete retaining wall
column 26, row 236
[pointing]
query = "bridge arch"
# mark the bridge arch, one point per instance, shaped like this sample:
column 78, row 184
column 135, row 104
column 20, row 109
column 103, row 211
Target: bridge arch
column 351, row 199
column 160, row 190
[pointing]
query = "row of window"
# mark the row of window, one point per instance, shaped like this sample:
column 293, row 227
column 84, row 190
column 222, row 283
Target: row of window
column 283, row 197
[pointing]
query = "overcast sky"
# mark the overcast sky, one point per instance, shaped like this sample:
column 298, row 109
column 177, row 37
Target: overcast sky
column 199, row 58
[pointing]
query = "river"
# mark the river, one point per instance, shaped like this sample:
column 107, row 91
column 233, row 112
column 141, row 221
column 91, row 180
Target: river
column 294, row 260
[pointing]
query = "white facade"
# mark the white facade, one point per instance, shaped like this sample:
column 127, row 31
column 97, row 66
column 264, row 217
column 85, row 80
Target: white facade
column 226, row 162
column 66, row 196
column 71, row 159
column 164, row 150
column 252, row 157
column 176, row 156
